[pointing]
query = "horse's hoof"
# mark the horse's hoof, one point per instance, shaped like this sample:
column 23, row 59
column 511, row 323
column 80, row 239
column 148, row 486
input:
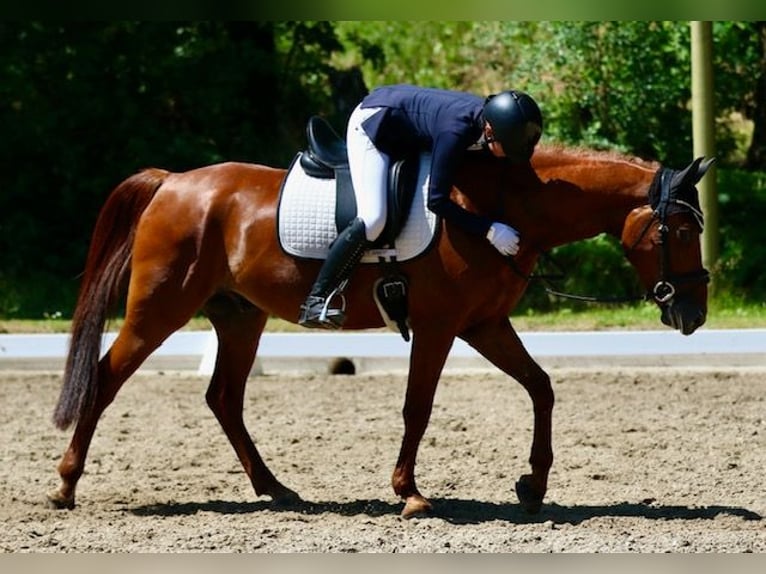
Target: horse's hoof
column 285, row 497
column 415, row 506
column 56, row 501
column 530, row 499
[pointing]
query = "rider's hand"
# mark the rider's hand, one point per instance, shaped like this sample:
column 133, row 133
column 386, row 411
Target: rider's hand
column 504, row 237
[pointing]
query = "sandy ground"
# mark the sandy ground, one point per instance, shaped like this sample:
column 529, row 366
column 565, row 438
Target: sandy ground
column 663, row 459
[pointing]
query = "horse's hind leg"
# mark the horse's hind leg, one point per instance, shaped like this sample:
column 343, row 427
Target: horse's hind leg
column 239, row 325
column 499, row 343
column 129, row 350
column 158, row 305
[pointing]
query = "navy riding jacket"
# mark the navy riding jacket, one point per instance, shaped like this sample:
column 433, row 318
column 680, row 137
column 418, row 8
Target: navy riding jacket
column 444, row 122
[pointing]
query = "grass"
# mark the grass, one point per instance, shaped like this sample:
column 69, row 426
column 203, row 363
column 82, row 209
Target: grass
column 723, row 314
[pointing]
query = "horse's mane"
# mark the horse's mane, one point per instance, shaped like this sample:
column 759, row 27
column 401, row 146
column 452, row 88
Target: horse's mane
column 560, row 154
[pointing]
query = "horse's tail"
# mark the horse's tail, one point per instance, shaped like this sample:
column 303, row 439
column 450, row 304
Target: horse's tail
column 105, row 281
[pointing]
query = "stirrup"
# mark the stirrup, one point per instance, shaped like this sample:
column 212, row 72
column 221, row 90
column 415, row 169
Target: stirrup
column 324, row 317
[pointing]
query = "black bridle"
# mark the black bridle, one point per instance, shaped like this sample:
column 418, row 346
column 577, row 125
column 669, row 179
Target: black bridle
column 670, row 201
column 664, row 198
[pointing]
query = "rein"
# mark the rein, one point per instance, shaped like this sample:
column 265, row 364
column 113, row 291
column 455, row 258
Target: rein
column 665, row 288
column 548, row 280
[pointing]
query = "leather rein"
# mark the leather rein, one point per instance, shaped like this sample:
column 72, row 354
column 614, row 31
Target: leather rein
column 665, row 288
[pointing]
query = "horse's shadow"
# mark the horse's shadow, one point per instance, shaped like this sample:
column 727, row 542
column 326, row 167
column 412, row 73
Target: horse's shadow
column 458, row 511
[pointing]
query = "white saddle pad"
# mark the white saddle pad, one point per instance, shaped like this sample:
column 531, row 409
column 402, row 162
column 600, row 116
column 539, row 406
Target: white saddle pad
column 306, row 217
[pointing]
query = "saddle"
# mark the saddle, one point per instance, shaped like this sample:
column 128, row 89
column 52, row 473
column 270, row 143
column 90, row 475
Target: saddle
column 327, row 158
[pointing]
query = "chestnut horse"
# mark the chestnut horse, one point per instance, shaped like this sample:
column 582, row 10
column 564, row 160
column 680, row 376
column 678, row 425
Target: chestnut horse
column 206, row 240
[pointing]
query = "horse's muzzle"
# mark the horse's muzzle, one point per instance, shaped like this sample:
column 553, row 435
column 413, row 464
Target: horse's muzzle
column 684, row 315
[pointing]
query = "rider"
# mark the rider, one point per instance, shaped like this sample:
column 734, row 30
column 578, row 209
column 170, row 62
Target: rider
column 397, row 121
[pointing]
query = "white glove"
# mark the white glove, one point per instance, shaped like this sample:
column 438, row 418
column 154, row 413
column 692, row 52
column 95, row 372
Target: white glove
column 504, row 238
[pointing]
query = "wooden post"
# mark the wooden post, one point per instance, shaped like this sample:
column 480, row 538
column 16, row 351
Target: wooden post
column 703, row 133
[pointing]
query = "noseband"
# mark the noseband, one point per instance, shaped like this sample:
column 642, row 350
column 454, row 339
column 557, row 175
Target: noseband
column 668, row 202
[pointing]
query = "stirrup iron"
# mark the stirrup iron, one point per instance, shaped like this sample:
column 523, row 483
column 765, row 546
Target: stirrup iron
column 334, row 316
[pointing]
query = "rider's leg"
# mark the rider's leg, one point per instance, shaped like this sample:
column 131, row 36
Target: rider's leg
column 369, row 172
column 344, row 254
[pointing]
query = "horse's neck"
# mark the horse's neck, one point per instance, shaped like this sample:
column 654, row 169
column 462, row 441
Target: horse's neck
column 564, row 197
column 581, row 199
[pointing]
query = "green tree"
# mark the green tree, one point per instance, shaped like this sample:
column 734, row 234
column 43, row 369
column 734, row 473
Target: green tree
column 615, row 84
column 623, row 85
column 85, row 104
column 437, row 54
column 756, row 153
column 740, row 78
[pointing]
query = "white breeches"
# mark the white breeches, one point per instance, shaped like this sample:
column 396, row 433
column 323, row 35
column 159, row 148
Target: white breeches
column 369, row 174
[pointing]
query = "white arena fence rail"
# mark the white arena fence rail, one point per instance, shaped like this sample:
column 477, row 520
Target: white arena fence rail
column 360, row 345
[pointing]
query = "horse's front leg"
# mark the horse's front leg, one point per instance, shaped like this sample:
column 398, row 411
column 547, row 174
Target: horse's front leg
column 429, row 352
column 499, row 343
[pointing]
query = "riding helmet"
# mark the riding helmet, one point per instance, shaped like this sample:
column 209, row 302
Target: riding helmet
column 516, row 123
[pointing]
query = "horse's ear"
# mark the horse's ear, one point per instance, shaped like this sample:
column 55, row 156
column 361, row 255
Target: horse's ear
column 687, row 176
column 703, row 167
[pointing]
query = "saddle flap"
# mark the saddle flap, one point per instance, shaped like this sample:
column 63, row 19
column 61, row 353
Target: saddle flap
column 402, row 183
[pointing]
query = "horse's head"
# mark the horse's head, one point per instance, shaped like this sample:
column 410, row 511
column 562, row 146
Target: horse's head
column 662, row 241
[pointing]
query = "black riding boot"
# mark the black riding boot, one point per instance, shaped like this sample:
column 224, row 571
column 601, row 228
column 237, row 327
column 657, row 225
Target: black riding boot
column 344, row 254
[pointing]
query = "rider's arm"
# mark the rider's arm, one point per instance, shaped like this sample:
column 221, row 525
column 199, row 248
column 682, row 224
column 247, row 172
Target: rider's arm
column 447, row 153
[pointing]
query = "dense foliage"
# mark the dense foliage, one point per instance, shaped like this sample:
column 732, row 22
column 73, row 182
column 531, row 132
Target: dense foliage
column 85, row 104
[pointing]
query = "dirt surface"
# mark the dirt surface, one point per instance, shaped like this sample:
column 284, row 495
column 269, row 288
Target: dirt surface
column 647, row 460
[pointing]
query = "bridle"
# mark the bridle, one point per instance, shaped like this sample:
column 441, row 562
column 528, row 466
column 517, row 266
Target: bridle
column 665, row 289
